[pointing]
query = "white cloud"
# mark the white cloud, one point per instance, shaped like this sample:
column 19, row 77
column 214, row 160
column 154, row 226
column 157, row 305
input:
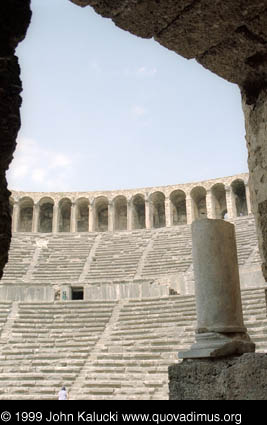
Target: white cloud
column 145, row 72
column 38, row 168
column 38, row 175
column 138, row 111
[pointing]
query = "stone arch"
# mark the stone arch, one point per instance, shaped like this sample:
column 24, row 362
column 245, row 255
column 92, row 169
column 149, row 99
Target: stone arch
column 219, row 200
column 138, row 212
column 82, row 215
column 198, row 196
column 157, row 202
column 25, row 214
column 45, row 223
column 120, row 213
column 101, row 214
column 178, row 207
column 64, row 215
column 239, row 192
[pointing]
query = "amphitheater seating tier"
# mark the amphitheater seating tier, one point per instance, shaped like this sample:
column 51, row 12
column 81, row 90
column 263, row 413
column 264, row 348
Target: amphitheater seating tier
column 104, row 350
column 91, row 257
column 19, row 258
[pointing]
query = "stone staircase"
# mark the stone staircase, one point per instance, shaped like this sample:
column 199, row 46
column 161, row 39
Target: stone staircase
column 20, row 256
column 64, row 257
column 103, row 350
column 246, row 239
column 171, row 252
column 117, row 255
column 47, row 346
column 53, row 259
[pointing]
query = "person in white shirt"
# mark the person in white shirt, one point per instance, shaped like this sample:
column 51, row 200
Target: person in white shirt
column 63, row 395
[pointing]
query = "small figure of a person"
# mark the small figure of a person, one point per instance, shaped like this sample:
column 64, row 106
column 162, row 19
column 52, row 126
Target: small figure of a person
column 63, row 395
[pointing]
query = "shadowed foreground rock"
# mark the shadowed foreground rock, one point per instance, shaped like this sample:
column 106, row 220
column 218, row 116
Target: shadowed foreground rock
column 235, row 378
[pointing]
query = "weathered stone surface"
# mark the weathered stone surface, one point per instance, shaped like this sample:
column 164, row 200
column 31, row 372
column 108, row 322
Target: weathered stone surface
column 235, row 378
column 256, row 129
column 223, row 35
column 14, row 20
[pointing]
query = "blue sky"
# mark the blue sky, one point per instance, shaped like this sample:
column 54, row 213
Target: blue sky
column 103, row 109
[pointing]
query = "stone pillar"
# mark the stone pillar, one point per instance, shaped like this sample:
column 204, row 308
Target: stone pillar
column 248, row 198
column 111, row 217
column 55, row 218
column 189, row 209
column 129, row 215
column 91, row 224
column 220, row 327
column 148, row 213
column 230, row 202
column 15, row 216
column 35, row 218
column 210, row 204
column 168, row 217
column 73, row 217
column 255, row 111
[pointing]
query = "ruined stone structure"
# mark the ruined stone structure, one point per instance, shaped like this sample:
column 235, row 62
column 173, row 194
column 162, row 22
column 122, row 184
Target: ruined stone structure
column 147, row 208
column 121, row 244
column 227, row 37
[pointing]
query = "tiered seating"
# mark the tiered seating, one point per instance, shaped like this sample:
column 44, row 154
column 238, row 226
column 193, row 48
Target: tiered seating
column 246, row 239
column 5, row 309
column 171, row 252
column 117, row 255
column 19, row 259
column 255, row 316
column 101, row 355
column 64, row 257
column 144, row 341
column 48, row 345
column 133, row 362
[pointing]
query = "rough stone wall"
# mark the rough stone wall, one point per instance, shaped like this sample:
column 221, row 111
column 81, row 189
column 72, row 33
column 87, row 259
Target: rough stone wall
column 256, row 135
column 14, row 20
column 227, row 37
column 235, row 378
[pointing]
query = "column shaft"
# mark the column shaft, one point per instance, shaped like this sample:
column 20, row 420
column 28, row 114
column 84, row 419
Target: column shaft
column 15, row 217
column 168, row 217
column 55, row 218
column 73, row 218
column 148, row 214
column 189, row 210
column 35, row 218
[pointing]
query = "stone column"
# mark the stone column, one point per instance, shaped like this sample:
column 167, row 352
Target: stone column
column 189, row 209
column 35, row 217
column 168, row 212
column 148, row 213
column 15, row 216
column 230, row 202
column 129, row 215
column 111, row 217
column 220, row 327
column 55, row 218
column 210, row 204
column 73, row 217
column 248, row 198
column 91, row 224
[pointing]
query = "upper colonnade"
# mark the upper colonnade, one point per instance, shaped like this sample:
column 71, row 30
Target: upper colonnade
column 120, row 210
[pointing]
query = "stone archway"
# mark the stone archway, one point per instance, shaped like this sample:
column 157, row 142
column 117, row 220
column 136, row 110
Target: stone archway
column 46, row 210
column 227, row 37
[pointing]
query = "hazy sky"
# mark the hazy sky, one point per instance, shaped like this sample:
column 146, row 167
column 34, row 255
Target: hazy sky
column 103, row 109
